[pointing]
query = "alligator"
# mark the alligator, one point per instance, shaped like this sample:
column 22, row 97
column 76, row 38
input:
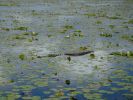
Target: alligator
column 68, row 54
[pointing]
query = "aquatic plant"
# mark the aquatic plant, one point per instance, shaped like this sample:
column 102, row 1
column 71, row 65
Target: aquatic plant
column 90, row 14
column 113, row 17
column 22, row 56
column 98, row 22
column 111, row 26
column 21, row 28
column 130, row 21
column 5, row 29
column 106, row 35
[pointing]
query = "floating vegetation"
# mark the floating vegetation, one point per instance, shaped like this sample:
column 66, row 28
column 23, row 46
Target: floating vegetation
column 130, row 21
column 34, row 13
column 12, row 96
column 82, row 48
column 90, row 14
column 25, row 87
column 22, row 56
column 30, row 33
column 78, row 34
column 79, row 31
column 92, row 56
column 30, row 40
column 21, row 28
column 126, row 54
column 98, row 14
column 49, row 35
column 93, row 96
column 75, row 34
column 60, row 66
column 125, row 26
column 30, row 36
column 7, row 4
column 59, row 93
column 63, row 31
column 105, row 92
column 113, row 17
column 128, row 37
column 5, row 29
column 68, row 27
column 112, row 26
column 98, row 22
column 20, row 37
column 11, row 81
column 106, row 35
column 41, row 83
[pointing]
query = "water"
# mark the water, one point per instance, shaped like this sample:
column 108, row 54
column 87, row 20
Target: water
column 58, row 26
